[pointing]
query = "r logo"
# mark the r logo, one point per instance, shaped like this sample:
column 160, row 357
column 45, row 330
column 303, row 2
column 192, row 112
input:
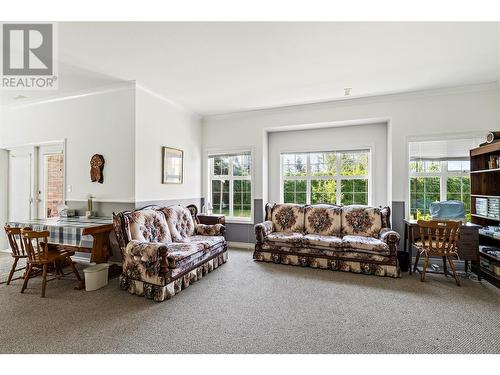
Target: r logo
column 27, row 49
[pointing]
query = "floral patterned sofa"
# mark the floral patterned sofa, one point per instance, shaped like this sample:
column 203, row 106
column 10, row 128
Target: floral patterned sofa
column 164, row 249
column 347, row 238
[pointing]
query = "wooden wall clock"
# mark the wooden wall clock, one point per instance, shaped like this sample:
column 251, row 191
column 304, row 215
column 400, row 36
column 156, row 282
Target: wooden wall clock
column 96, row 168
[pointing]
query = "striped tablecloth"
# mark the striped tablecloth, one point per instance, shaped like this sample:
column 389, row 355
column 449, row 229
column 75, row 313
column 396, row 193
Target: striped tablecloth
column 67, row 231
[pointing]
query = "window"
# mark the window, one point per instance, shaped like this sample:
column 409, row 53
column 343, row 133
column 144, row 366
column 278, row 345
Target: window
column 432, row 181
column 231, row 185
column 438, row 171
column 326, row 177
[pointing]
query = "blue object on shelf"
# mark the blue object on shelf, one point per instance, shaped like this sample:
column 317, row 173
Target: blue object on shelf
column 448, row 210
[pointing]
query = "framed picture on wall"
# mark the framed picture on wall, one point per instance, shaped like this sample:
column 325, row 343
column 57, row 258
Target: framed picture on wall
column 172, row 165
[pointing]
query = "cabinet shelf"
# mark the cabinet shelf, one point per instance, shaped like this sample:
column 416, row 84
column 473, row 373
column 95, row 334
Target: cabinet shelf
column 486, row 170
column 484, row 184
column 484, row 196
column 485, row 217
column 489, row 237
column 492, row 277
column 489, row 257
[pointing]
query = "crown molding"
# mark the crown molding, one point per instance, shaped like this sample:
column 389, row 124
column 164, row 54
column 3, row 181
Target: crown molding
column 119, row 86
column 369, row 99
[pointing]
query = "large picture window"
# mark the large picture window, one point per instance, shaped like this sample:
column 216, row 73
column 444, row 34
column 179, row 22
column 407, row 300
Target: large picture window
column 231, row 185
column 326, row 177
column 432, row 181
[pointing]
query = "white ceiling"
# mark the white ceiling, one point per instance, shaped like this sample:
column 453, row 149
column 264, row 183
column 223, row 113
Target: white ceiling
column 225, row 67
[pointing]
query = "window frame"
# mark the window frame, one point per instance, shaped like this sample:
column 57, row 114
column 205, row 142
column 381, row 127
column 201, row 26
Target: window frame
column 338, row 177
column 229, row 177
column 443, row 175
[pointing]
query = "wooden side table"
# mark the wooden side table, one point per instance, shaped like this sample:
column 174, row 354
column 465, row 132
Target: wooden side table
column 211, row 219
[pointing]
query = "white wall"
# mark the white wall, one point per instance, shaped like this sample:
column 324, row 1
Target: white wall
column 4, row 164
column 373, row 136
column 127, row 125
column 159, row 123
column 101, row 122
column 431, row 113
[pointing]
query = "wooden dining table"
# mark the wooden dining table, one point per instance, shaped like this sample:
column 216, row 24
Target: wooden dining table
column 89, row 235
column 80, row 234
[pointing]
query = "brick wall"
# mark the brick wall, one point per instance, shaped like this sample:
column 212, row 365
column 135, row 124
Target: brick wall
column 55, row 183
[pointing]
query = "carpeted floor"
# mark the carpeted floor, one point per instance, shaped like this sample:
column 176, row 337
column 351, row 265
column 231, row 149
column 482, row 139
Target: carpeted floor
column 249, row 307
column 6, row 265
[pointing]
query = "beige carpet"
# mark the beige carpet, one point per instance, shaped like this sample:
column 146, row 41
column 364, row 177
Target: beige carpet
column 249, row 307
column 6, row 265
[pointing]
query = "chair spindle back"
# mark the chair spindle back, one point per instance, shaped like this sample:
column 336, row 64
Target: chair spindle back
column 439, row 236
column 15, row 241
column 36, row 244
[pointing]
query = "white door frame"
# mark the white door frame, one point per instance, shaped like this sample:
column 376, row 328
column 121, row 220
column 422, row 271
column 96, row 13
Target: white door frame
column 33, row 148
column 42, row 151
column 23, row 152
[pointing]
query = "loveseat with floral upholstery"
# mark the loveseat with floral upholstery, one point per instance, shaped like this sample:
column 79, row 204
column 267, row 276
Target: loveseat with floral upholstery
column 164, row 249
column 347, row 238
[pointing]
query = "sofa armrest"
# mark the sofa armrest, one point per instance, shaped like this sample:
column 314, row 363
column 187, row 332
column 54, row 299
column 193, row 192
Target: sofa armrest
column 151, row 254
column 263, row 229
column 210, row 230
column 391, row 238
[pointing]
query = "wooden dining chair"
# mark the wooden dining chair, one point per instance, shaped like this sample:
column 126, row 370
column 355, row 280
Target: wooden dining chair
column 17, row 246
column 438, row 238
column 40, row 257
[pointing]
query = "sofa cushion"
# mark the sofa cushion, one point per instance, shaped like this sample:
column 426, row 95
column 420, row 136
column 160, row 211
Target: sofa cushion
column 368, row 244
column 327, row 242
column 323, row 219
column 284, row 238
column 209, row 230
column 361, row 221
column 207, row 241
column 181, row 252
column 180, row 222
column 288, row 218
column 149, row 226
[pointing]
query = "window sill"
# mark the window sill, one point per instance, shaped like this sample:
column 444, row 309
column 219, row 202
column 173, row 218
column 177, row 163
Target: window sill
column 233, row 220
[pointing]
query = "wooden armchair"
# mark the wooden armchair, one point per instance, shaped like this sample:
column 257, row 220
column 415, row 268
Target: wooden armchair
column 40, row 258
column 17, row 246
column 438, row 238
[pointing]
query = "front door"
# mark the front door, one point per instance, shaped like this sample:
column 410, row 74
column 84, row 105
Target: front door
column 50, row 194
column 20, row 184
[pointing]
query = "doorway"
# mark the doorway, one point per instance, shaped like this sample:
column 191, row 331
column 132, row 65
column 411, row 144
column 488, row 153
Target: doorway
column 20, row 184
column 50, row 192
column 36, row 181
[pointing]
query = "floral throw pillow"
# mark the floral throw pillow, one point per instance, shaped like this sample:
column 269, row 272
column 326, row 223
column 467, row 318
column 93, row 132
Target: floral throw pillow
column 361, row 221
column 180, row 222
column 288, row 218
column 323, row 219
column 149, row 226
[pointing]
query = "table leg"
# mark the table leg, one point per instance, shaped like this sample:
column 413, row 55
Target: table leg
column 410, row 247
column 405, row 239
column 405, row 244
column 477, row 265
column 445, row 267
column 101, row 247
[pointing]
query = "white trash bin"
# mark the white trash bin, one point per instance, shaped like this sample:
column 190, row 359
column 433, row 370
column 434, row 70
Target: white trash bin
column 96, row 276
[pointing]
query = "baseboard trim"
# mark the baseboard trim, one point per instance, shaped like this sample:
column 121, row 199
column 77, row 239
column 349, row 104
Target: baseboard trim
column 241, row 245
